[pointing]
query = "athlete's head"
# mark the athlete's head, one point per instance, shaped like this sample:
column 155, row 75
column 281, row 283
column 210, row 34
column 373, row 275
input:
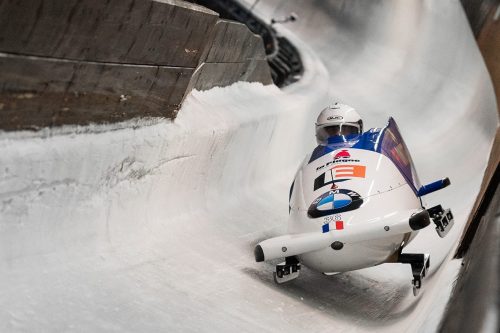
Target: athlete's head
column 337, row 119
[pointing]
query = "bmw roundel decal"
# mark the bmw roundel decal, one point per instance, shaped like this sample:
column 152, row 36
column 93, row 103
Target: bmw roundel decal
column 333, row 202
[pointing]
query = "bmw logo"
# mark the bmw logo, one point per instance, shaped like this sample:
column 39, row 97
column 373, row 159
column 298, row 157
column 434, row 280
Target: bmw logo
column 334, row 202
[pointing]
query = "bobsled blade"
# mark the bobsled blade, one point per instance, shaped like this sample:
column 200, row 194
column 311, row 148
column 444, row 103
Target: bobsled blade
column 287, row 271
column 285, row 278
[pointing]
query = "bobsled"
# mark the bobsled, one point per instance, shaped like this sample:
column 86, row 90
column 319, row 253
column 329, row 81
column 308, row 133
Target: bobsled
column 356, row 202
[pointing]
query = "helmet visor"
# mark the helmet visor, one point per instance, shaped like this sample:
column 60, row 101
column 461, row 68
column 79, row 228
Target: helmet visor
column 324, row 133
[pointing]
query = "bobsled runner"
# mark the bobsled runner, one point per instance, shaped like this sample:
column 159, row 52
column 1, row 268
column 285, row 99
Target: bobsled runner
column 356, row 203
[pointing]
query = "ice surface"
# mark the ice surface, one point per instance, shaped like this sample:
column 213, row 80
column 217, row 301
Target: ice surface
column 150, row 225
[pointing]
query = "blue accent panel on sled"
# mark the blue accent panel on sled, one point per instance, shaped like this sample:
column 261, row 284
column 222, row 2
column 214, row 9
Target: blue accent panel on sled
column 433, row 187
column 366, row 141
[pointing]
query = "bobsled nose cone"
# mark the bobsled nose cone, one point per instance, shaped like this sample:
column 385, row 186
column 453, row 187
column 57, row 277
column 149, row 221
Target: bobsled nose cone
column 259, row 253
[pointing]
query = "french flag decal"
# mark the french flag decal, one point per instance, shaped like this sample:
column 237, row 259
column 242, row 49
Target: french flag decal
column 336, row 225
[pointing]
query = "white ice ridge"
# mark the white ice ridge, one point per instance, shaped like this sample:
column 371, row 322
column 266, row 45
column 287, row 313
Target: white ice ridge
column 152, row 228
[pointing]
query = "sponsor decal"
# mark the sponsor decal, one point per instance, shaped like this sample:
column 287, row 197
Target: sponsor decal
column 334, row 202
column 326, row 179
column 342, row 154
column 335, row 118
column 350, row 171
column 339, row 173
column 341, row 157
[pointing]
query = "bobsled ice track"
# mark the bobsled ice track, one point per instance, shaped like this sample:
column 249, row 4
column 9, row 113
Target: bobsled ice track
column 150, row 225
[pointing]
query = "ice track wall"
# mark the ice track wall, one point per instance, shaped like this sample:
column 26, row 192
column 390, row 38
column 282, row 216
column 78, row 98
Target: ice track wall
column 147, row 226
column 92, row 61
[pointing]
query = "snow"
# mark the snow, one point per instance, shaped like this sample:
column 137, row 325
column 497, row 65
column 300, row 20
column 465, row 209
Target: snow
column 149, row 225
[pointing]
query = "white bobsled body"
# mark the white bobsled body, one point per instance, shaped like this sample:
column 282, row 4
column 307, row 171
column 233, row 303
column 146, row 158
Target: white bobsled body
column 369, row 195
column 354, row 203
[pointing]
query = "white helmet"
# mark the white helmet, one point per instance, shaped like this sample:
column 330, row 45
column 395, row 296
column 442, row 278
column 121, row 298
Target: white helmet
column 337, row 119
